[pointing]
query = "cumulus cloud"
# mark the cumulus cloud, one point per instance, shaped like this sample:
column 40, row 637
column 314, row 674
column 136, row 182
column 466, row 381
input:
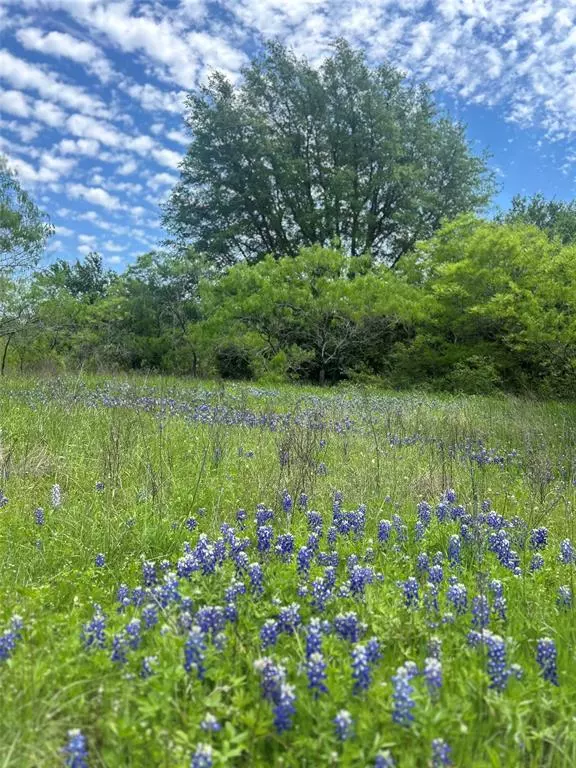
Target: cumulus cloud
column 94, row 195
column 63, row 45
column 22, row 74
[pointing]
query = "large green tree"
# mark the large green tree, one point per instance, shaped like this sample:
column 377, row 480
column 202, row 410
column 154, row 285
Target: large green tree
column 24, row 229
column 296, row 156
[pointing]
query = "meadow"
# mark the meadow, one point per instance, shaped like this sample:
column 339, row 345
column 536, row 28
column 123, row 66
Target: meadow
column 198, row 574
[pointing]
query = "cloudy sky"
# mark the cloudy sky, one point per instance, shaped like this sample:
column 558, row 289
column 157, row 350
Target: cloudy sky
column 91, row 91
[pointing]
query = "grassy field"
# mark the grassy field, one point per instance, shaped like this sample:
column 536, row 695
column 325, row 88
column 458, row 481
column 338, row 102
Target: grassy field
column 232, row 575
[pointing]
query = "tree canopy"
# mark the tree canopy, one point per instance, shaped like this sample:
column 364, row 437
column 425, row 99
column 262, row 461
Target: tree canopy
column 296, row 156
column 24, row 229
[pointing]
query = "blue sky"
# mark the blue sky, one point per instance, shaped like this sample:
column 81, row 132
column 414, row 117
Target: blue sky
column 91, row 92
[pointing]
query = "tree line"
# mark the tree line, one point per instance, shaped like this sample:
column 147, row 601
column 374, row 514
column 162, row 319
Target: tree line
column 328, row 224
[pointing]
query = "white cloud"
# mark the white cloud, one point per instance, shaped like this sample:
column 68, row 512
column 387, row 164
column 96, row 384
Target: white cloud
column 88, row 147
column 127, row 168
column 162, row 180
column 155, row 100
column 15, row 103
column 95, row 195
column 63, row 45
column 167, row 157
column 179, row 137
column 26, row 131
column 114, row 247
column 64, row 231
column 49, row 113
column 114, row 260
column 21, row 74
column 85, row 249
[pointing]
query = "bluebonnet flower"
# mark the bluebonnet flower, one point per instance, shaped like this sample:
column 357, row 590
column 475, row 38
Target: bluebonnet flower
column 496, row 587
column 359, row 578
column 272, row 676
column 474, row 638
column 303, row 500
column 99, row 487
column 316, row 672
column 457, row 596
column 402, row 694
column 138, row 596
column 289, row 618
column 331, row 535
column 133, row 630
column 419, row 530
column 236, row 588
column 433, row 675
column 265, row 535
column 361, row 668
column 384, row 760
column 147, row 666
column 94, row 632
column 202, row 757
column 263, row 515
column 195, row 652
column 56, row 496
column 442, row 510
column 567, row 553
column 431, row 600
column 269, row 633
column 422, row 562
column 313, row 632
column 438, row 558
column 167, row 592
column 211, row 619
column 313, row 543
column 321, row 469
column 10, row 637
column 39, row 516
column 373, row 650
column 304, row 560
column 435, row 647
column 210, row 723
column 546, row 657
column 191, row 523
column 449, row 495
column 119, row 649
column 286, row 501
column 100, row 560
column 411, row 594
column 424, row 513
column 384, row 531
column 123, row 597
column 343, row 725
column 321, row 591
column 348, row 626
column 436, row 574
column 499, row 608
column 564, row 598
column 400, row 528
column 330, row 575
column 76, row 750
column 454, row 549
column 241, row 516
column 256, row 576
column 441, row 753
column 536, row 562
column 285, row 546
column 480, row 612
column 284, row 708
column 539, row 538
column 314, row 521
column 497, row 668
column 149, row 573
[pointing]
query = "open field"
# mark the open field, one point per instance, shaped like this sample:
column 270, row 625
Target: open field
column 232, row 567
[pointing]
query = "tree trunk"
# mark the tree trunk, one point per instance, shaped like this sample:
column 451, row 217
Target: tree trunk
column 8, row 340
column 322, row 376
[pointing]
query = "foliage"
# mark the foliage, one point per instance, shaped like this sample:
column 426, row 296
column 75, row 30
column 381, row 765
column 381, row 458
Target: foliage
column 24, row 230
column 501, row 292
column 320, row 312
column 555, row 217
column 296, row 156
